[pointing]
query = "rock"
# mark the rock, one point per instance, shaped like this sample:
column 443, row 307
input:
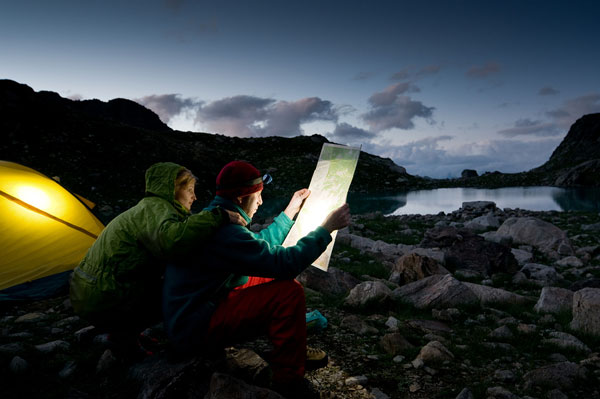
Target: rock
column 368, row 293
column 502, row 333
column 483, row 223
column 558, row 375
column 466, row 250
column 377, row 394
column 356, row 380
column 527, row 329
column 557, row 394
column 226, row 386
column 395, row 343
column 522, row 257
column 585, row 174
column 106, row 361
column 591, row 282
column 53, row 346
column 532, row 231
column 31, row 318
column 493, row 236
column 437, row 291
column 412, row 267
column 500, row 393
column 541, row 274
column 490, row 295
column 334, row 281
column 554, row 300
column 434, row 353
column 85, row 334
column 160, row 378
column 591, row 227
column 586, row 311
column 68, row 369
column 450, row 314
column 429, row 326
column 465, row 394
column 18, row 365
column 478, row 206
column 247, row 365
column 504, row 375
column 392, row 323
column 12, row 348
column 357, row 325
column 570, row 261
column 433, row 253
column 566, row 341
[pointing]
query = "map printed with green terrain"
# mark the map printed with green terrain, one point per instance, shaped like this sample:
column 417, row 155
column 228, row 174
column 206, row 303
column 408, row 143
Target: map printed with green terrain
column 329, row 187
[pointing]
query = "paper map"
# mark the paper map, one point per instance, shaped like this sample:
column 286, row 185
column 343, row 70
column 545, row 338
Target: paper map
column 329, row 187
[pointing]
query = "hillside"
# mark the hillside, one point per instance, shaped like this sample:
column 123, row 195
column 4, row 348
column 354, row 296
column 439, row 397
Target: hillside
column 101, row 150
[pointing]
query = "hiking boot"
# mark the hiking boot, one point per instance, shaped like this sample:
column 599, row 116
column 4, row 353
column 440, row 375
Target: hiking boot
column 301, row 389
column 315, row 358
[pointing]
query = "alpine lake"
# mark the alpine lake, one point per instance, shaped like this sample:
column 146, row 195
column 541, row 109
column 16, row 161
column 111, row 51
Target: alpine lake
column 447, row 200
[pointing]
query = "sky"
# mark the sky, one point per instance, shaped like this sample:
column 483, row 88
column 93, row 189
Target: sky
column 437, row 86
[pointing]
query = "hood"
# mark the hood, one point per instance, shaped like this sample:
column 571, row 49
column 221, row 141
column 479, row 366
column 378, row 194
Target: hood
column 160, row 180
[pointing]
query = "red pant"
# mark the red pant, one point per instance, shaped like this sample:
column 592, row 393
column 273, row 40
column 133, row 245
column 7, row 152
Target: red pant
column 276, row 308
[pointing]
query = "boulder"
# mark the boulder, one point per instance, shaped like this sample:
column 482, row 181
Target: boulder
column 566, row 341
column 368, row 293
column 591, row 282
column 586, row 311
column 540, row 234
column 478, row 206
column 357, row 325
column 333, row 281
column 493, row 236
column 483, row 223
column 561, row 375
column 434, row 353
column 226, row 386
column 413, row 267
column 437, row 291
column 466, row 250
column 523, row 257
column 490, row 295
column 541, row 275
column 554, row 300
column 395, row 343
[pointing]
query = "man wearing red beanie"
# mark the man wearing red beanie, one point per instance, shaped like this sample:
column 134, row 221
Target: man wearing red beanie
column 243, row 285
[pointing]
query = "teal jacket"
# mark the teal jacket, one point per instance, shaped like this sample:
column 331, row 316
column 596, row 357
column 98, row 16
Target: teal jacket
column 192, row 290
column 124, row 266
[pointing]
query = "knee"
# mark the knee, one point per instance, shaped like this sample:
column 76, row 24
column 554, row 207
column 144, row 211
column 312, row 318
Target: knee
column 292, row 289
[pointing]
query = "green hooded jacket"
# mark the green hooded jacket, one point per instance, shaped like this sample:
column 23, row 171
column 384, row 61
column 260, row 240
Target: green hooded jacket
column 122, row 270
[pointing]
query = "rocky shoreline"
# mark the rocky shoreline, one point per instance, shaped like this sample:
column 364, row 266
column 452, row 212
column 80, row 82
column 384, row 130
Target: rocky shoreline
column 478, row 303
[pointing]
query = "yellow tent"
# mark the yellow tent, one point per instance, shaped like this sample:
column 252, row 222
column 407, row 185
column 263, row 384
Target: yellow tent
column 44, row 229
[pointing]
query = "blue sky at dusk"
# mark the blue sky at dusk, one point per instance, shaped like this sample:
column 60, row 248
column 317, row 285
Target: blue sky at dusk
column 438, row 86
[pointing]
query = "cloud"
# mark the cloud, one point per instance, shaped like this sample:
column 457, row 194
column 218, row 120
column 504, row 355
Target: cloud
column 254, row 116
column 483, row 71
column 525, row 127
column 559, row 119
column 427, row 157
column 406, row 73
column 390, row 109
column 166, row 106
column 346, row 133
column 574, row 109
column 547, row 91
column 429, row 70
column 401, row 75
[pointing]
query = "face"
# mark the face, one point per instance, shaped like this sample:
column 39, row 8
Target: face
column 186, row 195
column 250, row 203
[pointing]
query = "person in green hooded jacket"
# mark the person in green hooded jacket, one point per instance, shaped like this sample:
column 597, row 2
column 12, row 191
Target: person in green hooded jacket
column 118, row 284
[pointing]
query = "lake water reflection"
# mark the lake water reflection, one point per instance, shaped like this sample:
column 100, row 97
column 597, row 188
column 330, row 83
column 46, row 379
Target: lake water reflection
column 450, row 199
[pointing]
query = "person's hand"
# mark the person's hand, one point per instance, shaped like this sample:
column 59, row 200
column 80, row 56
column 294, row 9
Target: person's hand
column 296, row 202
column 235, row 218
column 337, row 219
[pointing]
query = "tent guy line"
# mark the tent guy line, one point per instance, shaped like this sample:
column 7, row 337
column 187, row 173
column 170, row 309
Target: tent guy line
column 41, row 212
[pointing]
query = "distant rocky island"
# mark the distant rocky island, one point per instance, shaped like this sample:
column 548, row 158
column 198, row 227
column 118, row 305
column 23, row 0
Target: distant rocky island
column 101, row 149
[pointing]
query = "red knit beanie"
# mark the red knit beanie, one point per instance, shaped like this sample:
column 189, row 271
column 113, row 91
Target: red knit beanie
column 238, row 179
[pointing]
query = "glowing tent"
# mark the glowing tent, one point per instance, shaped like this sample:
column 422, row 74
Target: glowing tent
column 44, row 229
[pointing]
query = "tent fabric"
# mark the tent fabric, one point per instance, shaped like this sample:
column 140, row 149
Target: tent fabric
column 44, row 229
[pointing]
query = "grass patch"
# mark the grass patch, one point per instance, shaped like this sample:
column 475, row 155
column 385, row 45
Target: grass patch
column 351, row 260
